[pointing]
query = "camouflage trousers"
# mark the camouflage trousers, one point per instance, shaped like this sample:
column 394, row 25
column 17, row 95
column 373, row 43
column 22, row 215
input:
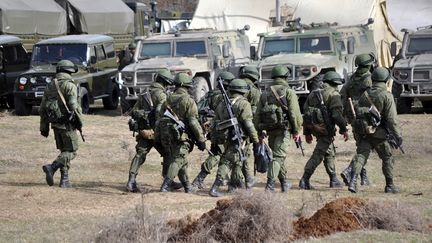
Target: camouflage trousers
column 142, row 148
column 67, row 143
column 279, row 141
column 230, row 161
column 357, row 137
column 324, row 151
column 212, row 160
column 249, row 162
column 383, row 149
column 178, row 162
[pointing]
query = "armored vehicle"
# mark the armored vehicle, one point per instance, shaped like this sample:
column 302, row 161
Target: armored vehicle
column 412, row 69
column 309, row 51
column 93, row 54
column 200, row 53
column 13, row 61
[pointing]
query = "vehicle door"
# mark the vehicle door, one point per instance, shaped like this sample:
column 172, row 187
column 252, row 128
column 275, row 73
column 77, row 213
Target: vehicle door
column 14, row 61
column 104, row 70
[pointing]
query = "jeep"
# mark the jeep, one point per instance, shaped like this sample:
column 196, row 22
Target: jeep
column 412, row 69
column 13, row 61
column 93, row 54
column 200, row 53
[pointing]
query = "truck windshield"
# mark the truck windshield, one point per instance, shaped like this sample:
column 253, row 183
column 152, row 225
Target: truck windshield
column 276, row 46
column 52, row 54
column 159, row 49
column 420, row 45
column 190, row 48
column 315, row 44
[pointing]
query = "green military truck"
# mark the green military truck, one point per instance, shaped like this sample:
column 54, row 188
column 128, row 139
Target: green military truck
column 200, row 53
column 13, row 61
column 93, row 54
column 309, row 51
column 412, row 69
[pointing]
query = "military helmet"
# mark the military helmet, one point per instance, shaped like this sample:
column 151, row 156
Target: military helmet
column 364, row 60
column 183, row 80
column 332, row 77
column 380, row 74
column 226, row 76
column 239, row 86
column 250, row 72
column 132, row 45
column 66, row 66
column 164, row 75
column 280, row 71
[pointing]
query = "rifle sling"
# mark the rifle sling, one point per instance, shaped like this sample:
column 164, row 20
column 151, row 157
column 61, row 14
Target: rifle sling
column 61, row 95
column 279, row 98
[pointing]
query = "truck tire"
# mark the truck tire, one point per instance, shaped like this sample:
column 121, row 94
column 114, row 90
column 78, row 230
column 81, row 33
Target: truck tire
column 85, row 100
column 21, row 108
column 126, row 105
column 403, row 104
column 199, row 89
column 427, row 104
column 10, row 101
column 111, row 102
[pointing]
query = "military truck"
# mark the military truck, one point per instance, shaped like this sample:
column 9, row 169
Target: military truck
column 412, row 69
column 13, row 61
column 309, row 51
column 200, row 53
column 93, row 54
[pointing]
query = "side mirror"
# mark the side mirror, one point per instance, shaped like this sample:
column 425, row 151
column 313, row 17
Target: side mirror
column 225, row 50
column 253, row 52
column 350, row 46
column 93, row 60
column 393, row 48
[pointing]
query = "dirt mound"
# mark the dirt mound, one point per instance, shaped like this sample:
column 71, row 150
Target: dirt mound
column 338, row 215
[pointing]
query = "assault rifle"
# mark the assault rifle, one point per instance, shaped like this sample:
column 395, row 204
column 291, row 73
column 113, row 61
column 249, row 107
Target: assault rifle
column 232, row 123
column 326, row 116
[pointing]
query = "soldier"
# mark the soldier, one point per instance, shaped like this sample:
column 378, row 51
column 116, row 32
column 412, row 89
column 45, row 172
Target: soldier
column 250, row 75
column 359, row 82
column 376, row 118
column 144, row 115
column 128, row 56
column 322, row 110
column 177, row 130
column 214, row 98
column 230, row 159
column 278, row 113
column 60, row 108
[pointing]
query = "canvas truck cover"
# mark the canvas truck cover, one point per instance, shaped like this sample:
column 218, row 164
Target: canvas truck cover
column 409, row 14
column 29, row 17
column 108, row 17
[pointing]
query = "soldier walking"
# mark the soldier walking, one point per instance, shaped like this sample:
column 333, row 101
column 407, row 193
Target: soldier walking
column 60, row 108
column 376, row 121
column 322, row 111
column 177, row 130
column 278, row 114
column 233, row 155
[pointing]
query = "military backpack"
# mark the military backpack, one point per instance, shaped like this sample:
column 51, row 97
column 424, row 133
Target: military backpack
column 54, row 110
column 367, row 118
column 272, row 115
column 316, row 117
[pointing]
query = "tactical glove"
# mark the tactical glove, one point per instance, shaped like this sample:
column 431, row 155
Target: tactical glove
column 201, row 145
column 44, row 133
column 308, row 139
column 214, row 149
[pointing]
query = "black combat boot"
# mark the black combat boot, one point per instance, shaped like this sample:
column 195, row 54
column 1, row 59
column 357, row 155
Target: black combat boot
column 352, row 186
column 131, row 185
column 49, row 170
column 304, row 182
column 175, row 186
column 249, row 180
column 334, row 181
column 270, row 186
column 199, row 180
column 214, row 191
column 64, row 179
column 166, row 184
column 390, row 187
column 285, row 185
column 364, row 180
column 346, row 174
column 187, row 187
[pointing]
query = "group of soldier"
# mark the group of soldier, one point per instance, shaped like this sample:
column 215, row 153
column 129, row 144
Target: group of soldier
column 238, row 119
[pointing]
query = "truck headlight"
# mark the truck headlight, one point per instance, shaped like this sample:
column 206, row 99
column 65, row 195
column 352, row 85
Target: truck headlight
column 33, row 80
column 403, row 75
column 23, row 80
column 127, row 77
column 48, row 79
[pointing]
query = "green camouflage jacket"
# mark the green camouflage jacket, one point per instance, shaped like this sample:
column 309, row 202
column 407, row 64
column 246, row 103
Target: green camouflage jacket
column 158, row 96
column 253, row 96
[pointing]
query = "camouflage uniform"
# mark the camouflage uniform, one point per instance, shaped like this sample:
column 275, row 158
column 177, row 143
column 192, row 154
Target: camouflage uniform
column 384, row 103
column 323, row 150
column 279, row 134
column 184, row 107
column 230, row 159
column 65, row 134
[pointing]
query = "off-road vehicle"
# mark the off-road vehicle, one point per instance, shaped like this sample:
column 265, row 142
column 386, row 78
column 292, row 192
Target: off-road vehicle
column 13, row 61
column 200, row 53
column 93, row 54
column 412, row 69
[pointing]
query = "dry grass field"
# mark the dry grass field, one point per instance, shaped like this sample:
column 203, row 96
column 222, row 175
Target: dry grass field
column 31, row 211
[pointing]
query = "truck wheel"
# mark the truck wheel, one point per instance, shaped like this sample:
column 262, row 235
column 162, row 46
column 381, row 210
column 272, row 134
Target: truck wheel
column 199, row 89
column 10, row 101
column 427, row 104
column 403, row 104
column 126, row 105
column 85, row 100
column 21, row 108
column 111, row 102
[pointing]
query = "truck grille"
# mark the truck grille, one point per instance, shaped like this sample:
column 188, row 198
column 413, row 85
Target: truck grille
column 144, row 77
column 421, row 75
